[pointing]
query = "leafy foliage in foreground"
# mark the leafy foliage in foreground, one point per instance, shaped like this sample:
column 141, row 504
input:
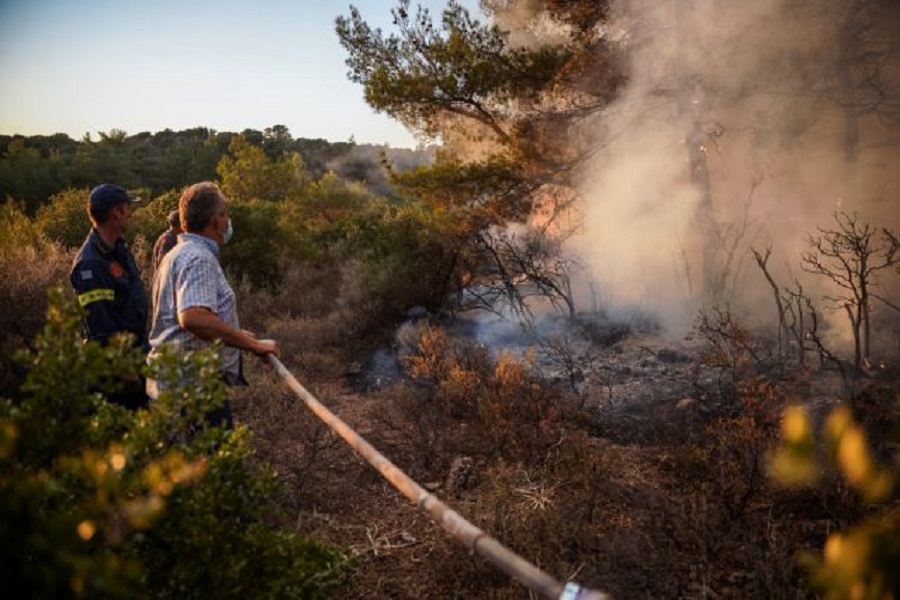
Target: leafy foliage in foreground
column 99, row 501
column 861, row 561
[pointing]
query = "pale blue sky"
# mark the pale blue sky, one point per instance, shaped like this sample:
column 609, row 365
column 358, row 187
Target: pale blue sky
column 83, row 66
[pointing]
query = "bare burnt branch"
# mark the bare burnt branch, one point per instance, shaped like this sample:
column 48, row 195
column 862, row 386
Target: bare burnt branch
column 518, row 269
column 762, row 262
column 850, row 256
column 795, row 303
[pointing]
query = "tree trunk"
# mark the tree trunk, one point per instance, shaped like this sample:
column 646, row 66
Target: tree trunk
column 854, row 314
column 849, row 45
column 690, row 109
column 866, row 328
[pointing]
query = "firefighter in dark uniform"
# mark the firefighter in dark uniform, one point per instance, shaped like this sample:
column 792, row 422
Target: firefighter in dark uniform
column 107, row 281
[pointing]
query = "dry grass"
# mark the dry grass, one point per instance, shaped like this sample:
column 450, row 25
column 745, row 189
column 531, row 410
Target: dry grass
column 684, row 512
column 690, row 516
column 26, row 273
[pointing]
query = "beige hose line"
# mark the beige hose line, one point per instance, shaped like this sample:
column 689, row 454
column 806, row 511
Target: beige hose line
column 472, row 537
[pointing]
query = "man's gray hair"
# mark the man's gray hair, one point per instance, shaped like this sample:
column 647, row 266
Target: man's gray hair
column 199, row 204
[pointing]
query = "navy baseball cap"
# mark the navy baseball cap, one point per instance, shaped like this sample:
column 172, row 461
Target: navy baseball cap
column 107, row 195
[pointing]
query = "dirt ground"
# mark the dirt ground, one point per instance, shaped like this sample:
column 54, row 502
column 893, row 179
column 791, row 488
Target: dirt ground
column 643, row 399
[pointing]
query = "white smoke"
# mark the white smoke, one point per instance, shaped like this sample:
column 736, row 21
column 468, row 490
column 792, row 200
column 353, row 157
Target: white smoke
column 758, row 76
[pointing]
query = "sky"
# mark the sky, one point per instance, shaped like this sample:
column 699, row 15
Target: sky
column 85, row 66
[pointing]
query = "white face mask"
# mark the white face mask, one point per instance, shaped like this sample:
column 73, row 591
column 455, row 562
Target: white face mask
column 229, row 231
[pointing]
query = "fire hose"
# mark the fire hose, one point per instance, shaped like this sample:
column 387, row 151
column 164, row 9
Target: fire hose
column 468, row 534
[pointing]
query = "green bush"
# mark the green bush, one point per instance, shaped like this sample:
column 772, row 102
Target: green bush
column 99, row 501
column 150, row 218
column 253, row 253
column 64, row 218
column 398, row 256
column 247, row 173
column 321, row 216
column 16, row 229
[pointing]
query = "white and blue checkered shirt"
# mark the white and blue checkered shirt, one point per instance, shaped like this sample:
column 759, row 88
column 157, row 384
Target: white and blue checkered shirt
column 190, row 275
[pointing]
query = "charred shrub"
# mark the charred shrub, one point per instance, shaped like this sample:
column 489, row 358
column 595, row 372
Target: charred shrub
column 417, row 422
column 521, row 416
column 287, row 436
column 315, row 347
column 505, row 408
column 731, row 349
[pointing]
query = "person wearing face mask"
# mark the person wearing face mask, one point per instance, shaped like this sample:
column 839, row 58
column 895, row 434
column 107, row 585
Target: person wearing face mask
column 108, row 284
column 193, row 303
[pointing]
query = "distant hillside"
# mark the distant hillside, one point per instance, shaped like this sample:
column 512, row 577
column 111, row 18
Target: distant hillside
column 33, row 168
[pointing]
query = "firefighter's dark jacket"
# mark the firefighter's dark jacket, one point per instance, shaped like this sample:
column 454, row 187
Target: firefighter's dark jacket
column 109, row 288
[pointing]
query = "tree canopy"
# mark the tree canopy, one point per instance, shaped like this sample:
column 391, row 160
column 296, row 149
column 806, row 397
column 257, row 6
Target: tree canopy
column 508, row 112
column 35, row 168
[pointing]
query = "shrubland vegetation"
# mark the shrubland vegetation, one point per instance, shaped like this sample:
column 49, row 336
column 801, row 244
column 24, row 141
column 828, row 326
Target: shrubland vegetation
column 714, row 487
column 100, row 501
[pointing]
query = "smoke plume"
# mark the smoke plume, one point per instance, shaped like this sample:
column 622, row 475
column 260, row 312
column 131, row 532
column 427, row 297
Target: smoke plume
column 775, row 97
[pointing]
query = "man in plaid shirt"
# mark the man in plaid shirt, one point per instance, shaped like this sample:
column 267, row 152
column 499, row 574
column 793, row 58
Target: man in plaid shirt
column 193, row 303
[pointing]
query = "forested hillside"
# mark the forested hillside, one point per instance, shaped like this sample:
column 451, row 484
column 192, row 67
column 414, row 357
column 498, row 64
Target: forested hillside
column 33, row 168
